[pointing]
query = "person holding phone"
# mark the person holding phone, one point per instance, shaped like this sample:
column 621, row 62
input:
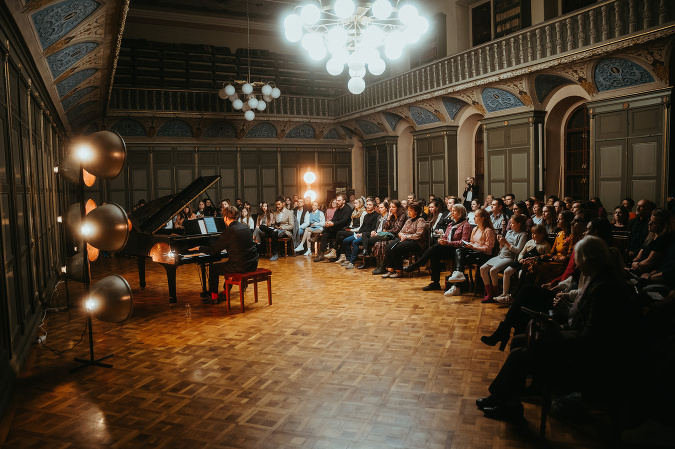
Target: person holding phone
column 470, row 192
column 511, row 246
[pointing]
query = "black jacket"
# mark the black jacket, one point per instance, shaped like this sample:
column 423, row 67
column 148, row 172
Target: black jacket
column 369, row 223
column 342, row 218
column 238, row 241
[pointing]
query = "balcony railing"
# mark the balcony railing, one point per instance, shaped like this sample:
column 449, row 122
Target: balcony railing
column 191, row 101
column 581, row 29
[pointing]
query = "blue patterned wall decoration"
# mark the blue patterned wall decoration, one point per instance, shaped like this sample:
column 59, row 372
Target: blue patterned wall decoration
column 301, row 132
column 128, row 128
column 262, row 130
column 77, row 110
column 77, row 96
column 221, row 129
column 499, row 99
column 615, row 73
column 54, row 22
column 545, row 84
column 422, row 116
column 392, row 119
column 453, row 106
column 174, row 128
column 348, row 132
column 331, row 135
column 368, row 128
column 73, row 80
column 62, row 60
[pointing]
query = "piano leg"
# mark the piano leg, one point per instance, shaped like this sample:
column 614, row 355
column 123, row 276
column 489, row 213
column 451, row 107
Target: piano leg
column 205, row 289
column 140, row 260
column 171, row 278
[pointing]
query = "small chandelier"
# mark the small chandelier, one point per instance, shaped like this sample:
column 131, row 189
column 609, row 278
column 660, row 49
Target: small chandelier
column 252, row 96
column 248, row 100
column 352, row 35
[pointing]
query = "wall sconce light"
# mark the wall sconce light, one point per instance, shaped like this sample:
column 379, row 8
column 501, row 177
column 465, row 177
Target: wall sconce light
column 309, row 179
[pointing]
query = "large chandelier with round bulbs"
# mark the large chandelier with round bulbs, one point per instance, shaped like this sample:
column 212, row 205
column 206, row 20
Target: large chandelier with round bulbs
column 353, row 34
column 250, row 97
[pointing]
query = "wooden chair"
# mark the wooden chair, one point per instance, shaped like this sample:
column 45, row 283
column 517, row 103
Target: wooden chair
column 244, row 279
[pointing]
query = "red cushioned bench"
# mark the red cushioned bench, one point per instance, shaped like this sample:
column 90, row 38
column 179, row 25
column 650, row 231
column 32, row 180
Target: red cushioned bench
column 243, row 279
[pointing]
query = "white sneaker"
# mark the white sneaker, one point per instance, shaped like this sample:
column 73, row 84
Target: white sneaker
column 342, row 258
column 346, row 262
column 349, row 266
column 308, row 253
column 504, row 299
column 457, row 276
column 299, row 248
column 330, row 254
column 453, row 291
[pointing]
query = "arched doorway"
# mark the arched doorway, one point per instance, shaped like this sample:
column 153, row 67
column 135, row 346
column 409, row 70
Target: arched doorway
column 577, row 143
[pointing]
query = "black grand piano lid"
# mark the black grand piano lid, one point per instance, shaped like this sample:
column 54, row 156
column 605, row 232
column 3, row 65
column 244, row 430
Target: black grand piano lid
column 154, row 215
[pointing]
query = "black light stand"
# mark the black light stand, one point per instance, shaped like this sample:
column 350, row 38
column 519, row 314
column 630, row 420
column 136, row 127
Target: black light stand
column 87, row 279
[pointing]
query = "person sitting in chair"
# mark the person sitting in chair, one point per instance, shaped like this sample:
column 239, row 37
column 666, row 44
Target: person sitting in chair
column 241, row 251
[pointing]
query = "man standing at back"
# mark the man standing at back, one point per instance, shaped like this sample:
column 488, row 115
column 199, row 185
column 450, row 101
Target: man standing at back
column 241, row 251
column 339, row 222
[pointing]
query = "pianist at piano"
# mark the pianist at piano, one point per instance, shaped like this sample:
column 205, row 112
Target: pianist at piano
column 242, row 254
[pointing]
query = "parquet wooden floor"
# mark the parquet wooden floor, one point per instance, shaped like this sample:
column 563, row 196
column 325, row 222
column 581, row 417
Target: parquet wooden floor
column 342, row 359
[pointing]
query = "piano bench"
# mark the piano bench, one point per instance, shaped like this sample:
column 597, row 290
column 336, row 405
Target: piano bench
column 244, row 279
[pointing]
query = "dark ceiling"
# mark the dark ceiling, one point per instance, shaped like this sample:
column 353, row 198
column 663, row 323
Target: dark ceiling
column 260, row 10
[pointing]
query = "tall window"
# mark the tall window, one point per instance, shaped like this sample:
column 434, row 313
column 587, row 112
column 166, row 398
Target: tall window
column 577, row 142
column 480, row 158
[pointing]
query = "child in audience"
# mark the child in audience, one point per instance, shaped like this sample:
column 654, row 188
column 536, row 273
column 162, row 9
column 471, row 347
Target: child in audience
column 535, row 247
column 511, row 245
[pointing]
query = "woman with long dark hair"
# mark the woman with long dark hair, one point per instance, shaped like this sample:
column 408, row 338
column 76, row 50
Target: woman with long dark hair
column 397, row 218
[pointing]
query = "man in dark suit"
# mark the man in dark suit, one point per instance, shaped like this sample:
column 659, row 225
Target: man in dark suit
column 471, row 192
column 241, row 251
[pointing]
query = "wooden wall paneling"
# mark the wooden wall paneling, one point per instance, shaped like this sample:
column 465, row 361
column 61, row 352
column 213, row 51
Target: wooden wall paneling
column 138, row 162
column 644, row 167
column 610, row 170
column 497, row 172
column 372, row 175
column 163, row 163
column 229, row 166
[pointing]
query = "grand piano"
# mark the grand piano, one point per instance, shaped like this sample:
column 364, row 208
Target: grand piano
column 149, row 238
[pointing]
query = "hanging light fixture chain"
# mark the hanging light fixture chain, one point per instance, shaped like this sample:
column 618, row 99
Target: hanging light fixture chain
column 248, row 41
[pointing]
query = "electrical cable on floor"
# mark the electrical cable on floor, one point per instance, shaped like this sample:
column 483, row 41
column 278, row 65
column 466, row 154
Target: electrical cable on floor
column 61, row 352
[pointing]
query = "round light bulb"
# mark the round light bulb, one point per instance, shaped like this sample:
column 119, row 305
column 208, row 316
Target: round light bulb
column 293, row 27
column 233, row 97
column 344, row 8
column 311, row 194
column 382, row 9
column 247, row 88
column 253, row 102
column 310, row 14
column 222, row 93
column 356, row 85
column 309, row 178
column 245, row 107
column 407, row 13
column 261, row 105
column 334, row 67
column 249, row 115
column 376, row 66
column 229, row 90
column 318, row 53
column 357, row 73
column 276, row 93
column 336, row 39
column 237, row 104
column 356, row 61
column 266, row 89
column 421, row 24
column 268, row 98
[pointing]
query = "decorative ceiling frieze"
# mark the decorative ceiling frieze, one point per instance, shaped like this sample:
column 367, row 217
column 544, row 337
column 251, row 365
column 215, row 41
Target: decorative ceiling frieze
column 71, row 41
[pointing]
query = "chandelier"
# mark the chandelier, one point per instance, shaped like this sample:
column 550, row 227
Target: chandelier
column 251, row 96
column 353, row 35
